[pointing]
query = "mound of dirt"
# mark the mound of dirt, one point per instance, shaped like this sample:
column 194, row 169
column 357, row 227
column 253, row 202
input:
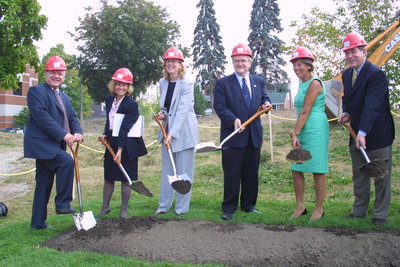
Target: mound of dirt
column 235, row 244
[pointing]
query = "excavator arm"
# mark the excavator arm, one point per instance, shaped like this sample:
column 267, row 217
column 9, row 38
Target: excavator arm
column 389, row 42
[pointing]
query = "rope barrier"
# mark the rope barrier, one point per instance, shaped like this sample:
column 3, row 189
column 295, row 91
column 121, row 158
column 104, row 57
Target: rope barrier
column 152, row 143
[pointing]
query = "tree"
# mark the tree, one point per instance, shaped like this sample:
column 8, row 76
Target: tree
column 133, row 34
column 20, row 25
column 264, row 45
column 200, row 102
column 72, row 81
column 323, row 33
column 208, row 53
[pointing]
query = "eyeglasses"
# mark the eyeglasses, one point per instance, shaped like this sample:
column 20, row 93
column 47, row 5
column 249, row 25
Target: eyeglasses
column 240, row 61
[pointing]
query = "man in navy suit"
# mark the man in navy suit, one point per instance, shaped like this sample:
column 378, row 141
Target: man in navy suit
column 366, row 106
column 52, row 125
column 236, row 98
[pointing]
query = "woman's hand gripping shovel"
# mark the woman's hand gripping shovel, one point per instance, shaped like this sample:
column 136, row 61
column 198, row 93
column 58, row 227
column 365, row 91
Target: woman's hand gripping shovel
column 83, row 220
column 210, row 146
column 375, row 168
column 180, row 183
column 137, row 186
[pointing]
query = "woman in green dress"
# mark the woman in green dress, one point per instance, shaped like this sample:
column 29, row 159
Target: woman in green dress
column 310, row 133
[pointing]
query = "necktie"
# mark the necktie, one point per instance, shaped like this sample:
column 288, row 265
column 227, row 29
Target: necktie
column 66, row 124
column 354, row 77
column 246, row 93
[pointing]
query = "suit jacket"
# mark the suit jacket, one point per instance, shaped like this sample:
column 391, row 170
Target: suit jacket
column 229, row 104
column 134, row 146
column 181, row 118
column 368, row 105
column 44, row 132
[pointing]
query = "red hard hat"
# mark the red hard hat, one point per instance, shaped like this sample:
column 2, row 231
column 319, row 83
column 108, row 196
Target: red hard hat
column 55, row 63
column 173, row 53
column 242, row 50
column 302, row 52
column 123, row 75
column 352, row 40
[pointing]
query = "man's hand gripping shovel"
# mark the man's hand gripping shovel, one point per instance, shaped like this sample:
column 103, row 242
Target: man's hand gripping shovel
column 181, row 183
column 137, row 186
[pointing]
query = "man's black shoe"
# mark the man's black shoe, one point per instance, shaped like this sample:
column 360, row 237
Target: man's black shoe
column 43, row 227
column 378, row 222
column 227, row 216
column 254, row 210
column 352, row 216
column 65, row 210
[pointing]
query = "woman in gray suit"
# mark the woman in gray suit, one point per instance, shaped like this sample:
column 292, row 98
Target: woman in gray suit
column 177, row 114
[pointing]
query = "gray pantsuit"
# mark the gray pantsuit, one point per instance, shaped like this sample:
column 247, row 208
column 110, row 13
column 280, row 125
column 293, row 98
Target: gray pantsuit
column 184, row 164
column 362, row 185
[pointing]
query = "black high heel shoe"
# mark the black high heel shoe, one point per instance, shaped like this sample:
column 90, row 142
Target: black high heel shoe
column 303, row 213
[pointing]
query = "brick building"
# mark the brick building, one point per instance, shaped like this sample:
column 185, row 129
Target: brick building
column 12, row 101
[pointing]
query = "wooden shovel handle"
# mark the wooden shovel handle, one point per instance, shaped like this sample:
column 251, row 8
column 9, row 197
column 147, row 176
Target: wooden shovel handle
column 76, row 165
column 350, row 129
column 156, row 116
column 260, row 111
column 109, row 148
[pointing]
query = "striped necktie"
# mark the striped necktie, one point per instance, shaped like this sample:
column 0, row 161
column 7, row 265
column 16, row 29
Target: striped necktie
column 60, row 103
column 354, row 77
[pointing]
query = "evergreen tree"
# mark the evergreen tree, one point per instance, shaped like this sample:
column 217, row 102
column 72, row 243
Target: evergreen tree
column 208, row 53
column 265, row 46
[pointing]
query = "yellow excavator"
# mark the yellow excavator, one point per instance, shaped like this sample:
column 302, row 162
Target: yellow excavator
column 388, row 41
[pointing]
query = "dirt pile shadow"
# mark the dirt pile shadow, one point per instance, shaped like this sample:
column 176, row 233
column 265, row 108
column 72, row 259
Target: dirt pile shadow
column 234, row 244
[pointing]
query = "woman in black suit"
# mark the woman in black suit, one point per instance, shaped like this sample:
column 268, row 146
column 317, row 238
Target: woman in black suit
column 129, row 149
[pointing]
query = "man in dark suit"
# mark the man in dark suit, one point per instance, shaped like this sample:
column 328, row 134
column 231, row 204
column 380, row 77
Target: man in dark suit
column 236, row 98
column 366, row 106
column 52, row 125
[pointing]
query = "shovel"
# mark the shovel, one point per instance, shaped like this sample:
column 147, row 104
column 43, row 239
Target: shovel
column 375, row 168
column 83, row 220
column 210, row 146
column 137, row 186
column 180, row 183
column 298, row 155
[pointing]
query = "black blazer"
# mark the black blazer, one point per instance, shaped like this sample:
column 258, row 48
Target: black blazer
column 45, row 128
column 229, row 104
column 134, row 146
column 368, row 105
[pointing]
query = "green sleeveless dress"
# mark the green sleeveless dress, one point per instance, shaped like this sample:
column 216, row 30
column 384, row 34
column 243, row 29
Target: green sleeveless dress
column 314, row 136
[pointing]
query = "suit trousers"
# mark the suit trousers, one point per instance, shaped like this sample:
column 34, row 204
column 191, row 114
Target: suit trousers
column 184, row 162
column 240, row 166
column 362, row 183
column 63, row 167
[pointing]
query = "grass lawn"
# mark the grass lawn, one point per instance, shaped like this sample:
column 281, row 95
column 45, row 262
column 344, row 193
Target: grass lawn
column 20, row 246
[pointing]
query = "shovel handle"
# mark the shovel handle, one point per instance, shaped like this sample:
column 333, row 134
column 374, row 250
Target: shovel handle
column 260, row 111
column 164, row 133
column 109, row 148
column 76, row 165
column 354, row 135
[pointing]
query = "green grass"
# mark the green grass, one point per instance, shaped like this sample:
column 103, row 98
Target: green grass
column 21, row 246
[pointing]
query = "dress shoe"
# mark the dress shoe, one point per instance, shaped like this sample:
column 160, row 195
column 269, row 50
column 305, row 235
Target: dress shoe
column 43, row 227
column 159, row 212
column 352, row 216
column 227, row 216
column 104, row 212
column 179, row 213
column 303, row 213
column 378, row 222
column 253, row 210
column 322, row 215
column 65, row 210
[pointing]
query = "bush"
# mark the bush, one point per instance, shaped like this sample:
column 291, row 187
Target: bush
column 200, row 102
column 22, row 118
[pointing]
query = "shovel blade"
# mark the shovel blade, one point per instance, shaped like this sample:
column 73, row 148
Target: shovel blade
column 141, row 188
column 375, row 168
column 298, row 155
column 205, row 147
column 180, row 183
column 84, row 221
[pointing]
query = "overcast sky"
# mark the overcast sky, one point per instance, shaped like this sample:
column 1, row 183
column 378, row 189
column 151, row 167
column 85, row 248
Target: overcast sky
column 233, row 16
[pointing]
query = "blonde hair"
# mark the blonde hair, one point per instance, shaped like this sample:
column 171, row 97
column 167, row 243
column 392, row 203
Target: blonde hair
column 111, row 88
column 181, row 71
